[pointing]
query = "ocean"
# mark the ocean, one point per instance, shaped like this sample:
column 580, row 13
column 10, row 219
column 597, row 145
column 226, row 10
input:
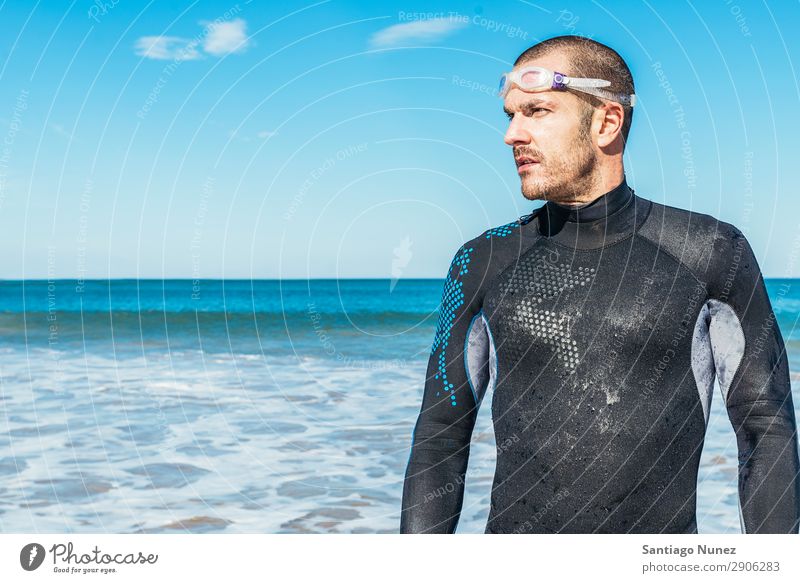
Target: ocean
column 264, row 406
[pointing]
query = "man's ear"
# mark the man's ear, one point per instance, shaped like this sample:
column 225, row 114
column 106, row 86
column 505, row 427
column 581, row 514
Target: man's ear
column 611, row 117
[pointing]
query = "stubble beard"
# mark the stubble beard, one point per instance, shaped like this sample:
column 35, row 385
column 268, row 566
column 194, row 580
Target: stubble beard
column 562, row 179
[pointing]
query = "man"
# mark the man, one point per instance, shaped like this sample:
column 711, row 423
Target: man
column 600, row 320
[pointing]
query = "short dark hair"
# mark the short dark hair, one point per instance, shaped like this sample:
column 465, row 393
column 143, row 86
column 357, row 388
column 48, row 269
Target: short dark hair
column 589, row 58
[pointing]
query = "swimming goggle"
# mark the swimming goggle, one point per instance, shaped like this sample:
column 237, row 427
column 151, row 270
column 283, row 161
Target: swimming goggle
column 532, row 79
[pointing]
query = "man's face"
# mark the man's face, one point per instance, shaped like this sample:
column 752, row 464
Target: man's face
column 549, row 132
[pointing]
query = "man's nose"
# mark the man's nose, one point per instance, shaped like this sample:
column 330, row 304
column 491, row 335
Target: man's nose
column 516, row 134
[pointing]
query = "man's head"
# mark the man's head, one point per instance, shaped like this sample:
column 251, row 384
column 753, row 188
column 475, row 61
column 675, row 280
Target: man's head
column 572, row 139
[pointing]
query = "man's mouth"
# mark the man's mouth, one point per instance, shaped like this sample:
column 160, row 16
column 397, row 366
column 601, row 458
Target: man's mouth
column 525, row 163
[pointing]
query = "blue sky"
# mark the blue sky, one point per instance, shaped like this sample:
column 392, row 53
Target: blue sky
column 353, row 139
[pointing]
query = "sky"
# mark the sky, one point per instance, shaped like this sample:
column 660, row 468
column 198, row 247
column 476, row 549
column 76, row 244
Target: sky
column 344, row 139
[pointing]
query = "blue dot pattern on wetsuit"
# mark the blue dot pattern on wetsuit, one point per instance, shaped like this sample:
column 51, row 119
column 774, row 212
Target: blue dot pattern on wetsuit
column 452, row 300
column 601, row 331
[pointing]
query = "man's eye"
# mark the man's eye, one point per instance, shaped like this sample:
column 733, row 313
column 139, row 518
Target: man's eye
column 528, row 112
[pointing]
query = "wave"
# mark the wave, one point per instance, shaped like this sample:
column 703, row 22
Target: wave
column 363, row 333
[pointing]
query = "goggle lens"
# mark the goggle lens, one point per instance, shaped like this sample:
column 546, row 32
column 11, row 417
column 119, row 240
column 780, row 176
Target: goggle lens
column 502, row 85
column 533, row 79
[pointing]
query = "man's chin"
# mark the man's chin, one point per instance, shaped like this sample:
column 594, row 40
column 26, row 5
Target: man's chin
column 533, row 190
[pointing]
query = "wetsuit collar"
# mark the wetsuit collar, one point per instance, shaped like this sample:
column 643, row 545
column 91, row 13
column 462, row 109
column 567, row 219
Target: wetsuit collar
column 603, row 206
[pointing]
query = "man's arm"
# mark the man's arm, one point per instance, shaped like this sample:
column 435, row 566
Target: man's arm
column 753, row 375
column 457, row 376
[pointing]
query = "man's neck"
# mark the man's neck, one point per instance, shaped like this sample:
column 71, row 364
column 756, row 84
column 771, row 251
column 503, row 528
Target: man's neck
column 604, row 184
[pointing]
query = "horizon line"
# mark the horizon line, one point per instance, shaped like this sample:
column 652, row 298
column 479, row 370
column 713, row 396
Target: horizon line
column 96, row 279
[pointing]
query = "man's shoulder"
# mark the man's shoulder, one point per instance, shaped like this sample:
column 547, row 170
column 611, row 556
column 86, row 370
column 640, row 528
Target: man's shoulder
column 695, row 238
column 505, row 232
column 695, row 222
column 487, row 252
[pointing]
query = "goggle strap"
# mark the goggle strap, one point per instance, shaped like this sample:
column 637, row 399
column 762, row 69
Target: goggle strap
column 581, row 82
column 623, row 99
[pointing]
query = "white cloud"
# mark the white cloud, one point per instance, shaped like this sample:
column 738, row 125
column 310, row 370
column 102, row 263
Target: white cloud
column 166, row 48
column 226, row 37
column 218, row 38
column 418, row 31
column 237, row 135
column 58, row 129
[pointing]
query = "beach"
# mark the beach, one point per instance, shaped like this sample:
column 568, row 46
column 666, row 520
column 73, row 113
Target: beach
column 267, row 406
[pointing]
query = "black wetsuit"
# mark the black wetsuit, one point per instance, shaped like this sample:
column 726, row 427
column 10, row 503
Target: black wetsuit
column 601, row 331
